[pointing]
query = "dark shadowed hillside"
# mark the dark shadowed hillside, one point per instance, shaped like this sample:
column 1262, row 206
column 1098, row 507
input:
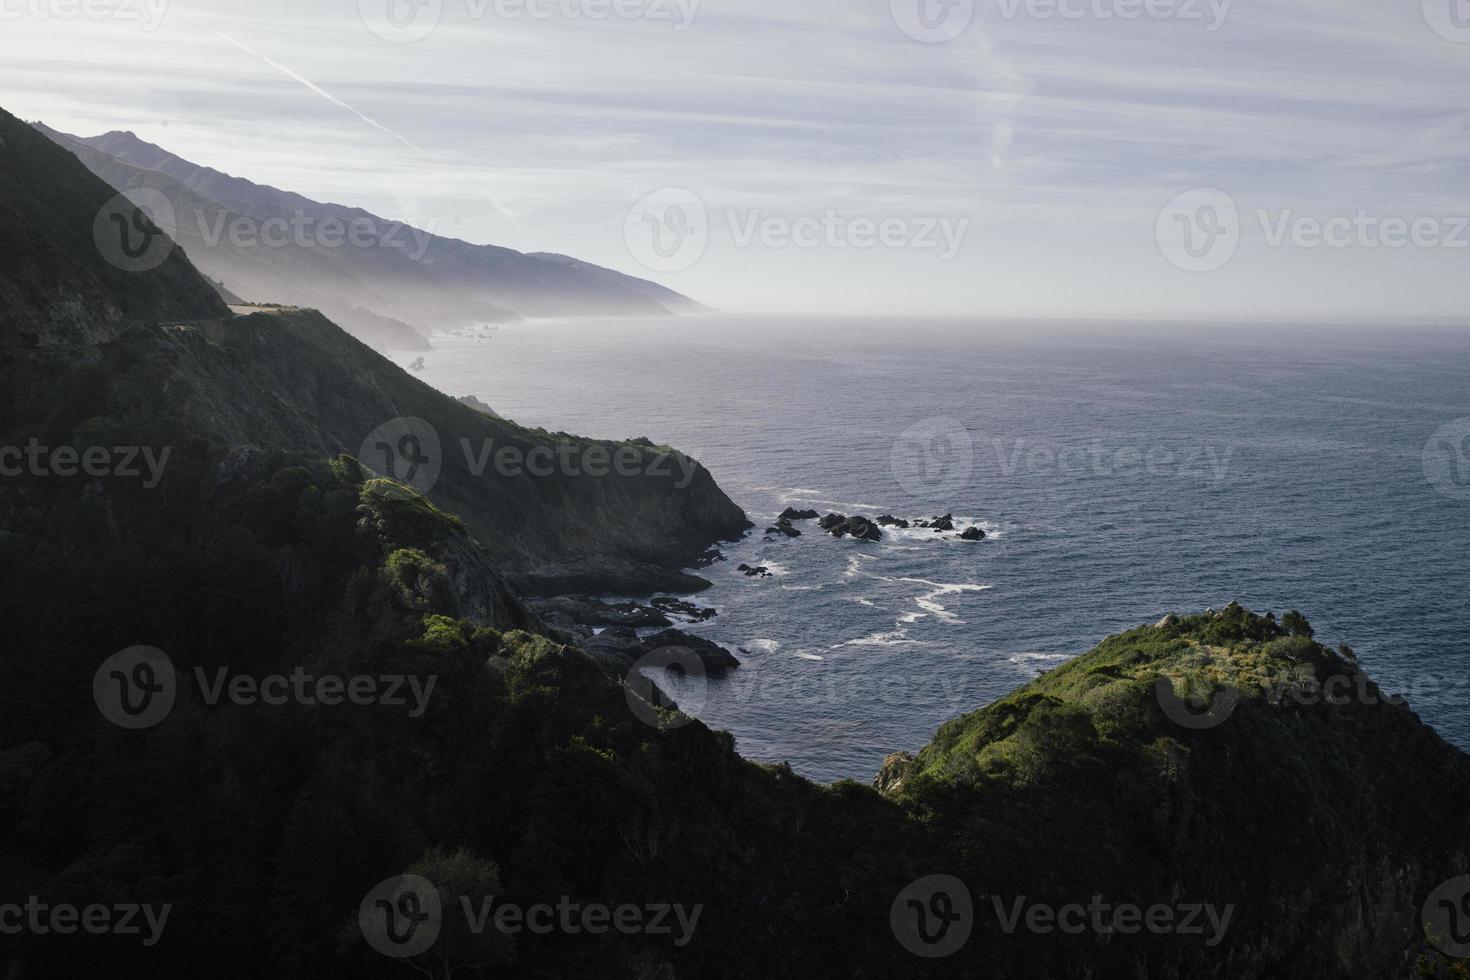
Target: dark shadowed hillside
column 57, row 288
column 199, row 484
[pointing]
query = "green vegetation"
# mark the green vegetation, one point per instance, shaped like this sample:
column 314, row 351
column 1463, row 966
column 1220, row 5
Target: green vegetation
column 1320, row 821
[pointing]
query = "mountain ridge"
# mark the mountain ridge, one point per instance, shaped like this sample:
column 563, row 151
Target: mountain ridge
column 540, row 773
column 432, row 283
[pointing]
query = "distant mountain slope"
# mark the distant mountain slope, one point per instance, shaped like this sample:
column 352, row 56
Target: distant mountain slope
column 58, row 285
column 404, row 273
column 145, row 346
column 291, row 274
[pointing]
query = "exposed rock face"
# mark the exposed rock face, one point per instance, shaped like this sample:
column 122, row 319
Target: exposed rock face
column 973, row 534
column 792, row 514
column 671, row 606
column 479, row 406
column 1323, row 815
column 583, row 611
column 839, row 525
column 715, row 658
column 895, row 769
column 572, row 515
column 261, row 379
column 784, row 527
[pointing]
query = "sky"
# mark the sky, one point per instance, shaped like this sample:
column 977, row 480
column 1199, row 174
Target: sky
column 1202, row 159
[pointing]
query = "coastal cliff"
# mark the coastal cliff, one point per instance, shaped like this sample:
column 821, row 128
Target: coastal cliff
column 254, row 540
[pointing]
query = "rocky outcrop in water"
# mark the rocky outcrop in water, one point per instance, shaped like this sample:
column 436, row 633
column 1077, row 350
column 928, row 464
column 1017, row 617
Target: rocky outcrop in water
column 783, row 527
column 840, row 525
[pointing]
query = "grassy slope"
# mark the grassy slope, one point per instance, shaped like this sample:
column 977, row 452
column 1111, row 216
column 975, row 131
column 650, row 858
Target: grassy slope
column 1325, row 824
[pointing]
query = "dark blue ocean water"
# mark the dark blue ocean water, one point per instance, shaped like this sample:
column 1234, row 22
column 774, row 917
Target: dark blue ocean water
column 1123, row 471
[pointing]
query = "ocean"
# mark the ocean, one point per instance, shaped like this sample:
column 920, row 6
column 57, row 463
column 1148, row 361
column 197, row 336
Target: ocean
column 1121, row 471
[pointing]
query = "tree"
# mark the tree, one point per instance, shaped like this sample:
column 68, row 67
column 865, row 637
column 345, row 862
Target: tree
column 1297, row 625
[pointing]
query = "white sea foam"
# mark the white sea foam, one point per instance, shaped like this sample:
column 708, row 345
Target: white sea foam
column 763, row 646
column 895, row 638
column 1021, row 658
column 929, row 600
column 991, row 529
column 803, row 655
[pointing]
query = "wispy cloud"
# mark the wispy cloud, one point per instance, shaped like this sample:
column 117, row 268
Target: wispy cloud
column 1060, row 140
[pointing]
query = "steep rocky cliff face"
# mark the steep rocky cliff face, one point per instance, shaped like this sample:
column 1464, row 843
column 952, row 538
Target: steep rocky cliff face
column 1309, row 817
column 88, row 340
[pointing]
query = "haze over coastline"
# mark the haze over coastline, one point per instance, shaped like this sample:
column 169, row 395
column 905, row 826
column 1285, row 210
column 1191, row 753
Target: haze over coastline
column 1045, row 135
